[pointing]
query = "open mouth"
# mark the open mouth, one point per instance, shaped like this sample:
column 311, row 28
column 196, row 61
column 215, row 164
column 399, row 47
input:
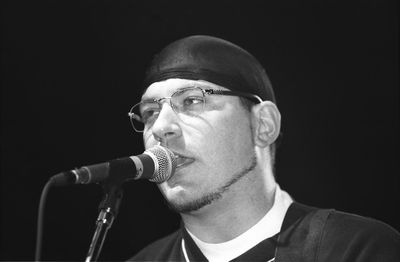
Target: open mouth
column 182, row 161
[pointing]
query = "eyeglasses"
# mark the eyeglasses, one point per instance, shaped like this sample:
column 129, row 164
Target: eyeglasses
column 188, row 101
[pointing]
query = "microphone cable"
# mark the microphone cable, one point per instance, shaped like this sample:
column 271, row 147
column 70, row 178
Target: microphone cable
column 39, row 232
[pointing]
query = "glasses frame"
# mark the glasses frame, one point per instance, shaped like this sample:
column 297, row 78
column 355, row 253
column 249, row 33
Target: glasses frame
column 254, row 98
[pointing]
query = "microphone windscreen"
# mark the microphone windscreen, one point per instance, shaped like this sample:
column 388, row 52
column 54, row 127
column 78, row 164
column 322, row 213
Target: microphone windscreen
column 165, row 163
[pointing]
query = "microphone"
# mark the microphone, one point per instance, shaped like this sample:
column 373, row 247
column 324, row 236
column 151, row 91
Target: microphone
column 156, row 164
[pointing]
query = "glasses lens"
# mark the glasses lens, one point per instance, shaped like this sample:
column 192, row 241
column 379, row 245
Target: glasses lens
column 189, row 101
column 142, row 114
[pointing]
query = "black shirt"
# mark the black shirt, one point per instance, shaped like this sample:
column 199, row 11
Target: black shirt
column 307, row 234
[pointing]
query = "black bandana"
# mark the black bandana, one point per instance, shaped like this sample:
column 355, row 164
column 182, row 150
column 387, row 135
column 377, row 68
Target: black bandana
column 211, row 59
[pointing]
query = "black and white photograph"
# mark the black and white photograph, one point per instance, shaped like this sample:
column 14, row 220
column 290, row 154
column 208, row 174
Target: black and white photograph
column 200, row 131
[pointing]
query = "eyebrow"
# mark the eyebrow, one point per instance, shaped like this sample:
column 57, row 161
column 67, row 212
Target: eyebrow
column 145, row 98
column 188, row 85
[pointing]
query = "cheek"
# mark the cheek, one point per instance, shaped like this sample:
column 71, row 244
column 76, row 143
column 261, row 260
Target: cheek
column 229, row 142
column 148, row 139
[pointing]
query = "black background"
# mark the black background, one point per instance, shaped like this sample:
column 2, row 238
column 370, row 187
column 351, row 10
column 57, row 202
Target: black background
column 70, row 72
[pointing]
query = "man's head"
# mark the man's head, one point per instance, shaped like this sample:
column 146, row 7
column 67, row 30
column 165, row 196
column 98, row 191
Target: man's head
column 214, row 60
column 221, row 142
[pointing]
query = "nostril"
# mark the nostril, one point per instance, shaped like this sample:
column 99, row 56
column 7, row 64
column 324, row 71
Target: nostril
column 168, row 134
column 163, row 136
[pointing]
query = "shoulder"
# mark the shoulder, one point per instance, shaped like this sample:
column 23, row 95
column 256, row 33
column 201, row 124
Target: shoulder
column 163, row 249
column 338, row 223
column 330, row 235
column 348, row 223
column 358, row 228
column 352, row 237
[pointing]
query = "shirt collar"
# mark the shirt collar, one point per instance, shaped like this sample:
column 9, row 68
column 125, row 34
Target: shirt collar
column 267, row 227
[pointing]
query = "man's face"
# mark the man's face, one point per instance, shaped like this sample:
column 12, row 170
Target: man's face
column 215, row 148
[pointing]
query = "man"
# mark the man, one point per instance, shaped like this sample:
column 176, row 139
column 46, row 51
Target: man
column 211, row 103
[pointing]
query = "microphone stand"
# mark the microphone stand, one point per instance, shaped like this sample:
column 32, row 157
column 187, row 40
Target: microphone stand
column 109, row 206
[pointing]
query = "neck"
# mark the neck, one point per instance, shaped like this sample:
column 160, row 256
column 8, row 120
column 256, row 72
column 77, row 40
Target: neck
column 240, row 208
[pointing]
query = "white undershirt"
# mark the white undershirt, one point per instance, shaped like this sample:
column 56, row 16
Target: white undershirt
column 267, row 227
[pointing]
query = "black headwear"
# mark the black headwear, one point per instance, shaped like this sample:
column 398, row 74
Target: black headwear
column 211, row 59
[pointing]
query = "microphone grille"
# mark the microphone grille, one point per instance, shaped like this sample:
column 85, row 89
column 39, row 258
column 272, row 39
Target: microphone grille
column 166, row 163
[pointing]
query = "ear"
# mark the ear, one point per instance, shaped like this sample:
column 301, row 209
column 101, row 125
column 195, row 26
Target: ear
column 266, row 121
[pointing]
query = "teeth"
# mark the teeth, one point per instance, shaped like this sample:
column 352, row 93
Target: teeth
column 180, row 161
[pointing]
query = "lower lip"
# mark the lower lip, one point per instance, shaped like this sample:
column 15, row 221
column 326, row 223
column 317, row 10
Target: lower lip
column 185, row 164
column 179, row 173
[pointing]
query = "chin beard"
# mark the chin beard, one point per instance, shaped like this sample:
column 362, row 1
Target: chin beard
column 209, row 198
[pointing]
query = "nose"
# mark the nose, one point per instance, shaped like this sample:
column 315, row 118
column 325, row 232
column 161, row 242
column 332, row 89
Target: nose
column 166, row 126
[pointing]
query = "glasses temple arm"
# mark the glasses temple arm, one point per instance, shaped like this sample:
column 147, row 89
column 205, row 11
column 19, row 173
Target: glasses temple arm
column 252, row 97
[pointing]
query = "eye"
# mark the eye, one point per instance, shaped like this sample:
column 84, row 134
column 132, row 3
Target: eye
column 193, row 101
column 150, row 115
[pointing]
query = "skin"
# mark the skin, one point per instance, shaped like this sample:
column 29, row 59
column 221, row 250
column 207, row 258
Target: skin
column 225, row 184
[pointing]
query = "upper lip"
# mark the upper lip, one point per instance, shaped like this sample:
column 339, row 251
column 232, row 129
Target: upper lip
column 178, row 154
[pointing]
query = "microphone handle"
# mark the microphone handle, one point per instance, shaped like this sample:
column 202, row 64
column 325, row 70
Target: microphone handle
column 135, row 167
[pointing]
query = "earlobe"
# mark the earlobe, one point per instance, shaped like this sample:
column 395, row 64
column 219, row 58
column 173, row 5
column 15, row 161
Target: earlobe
column 267, row 123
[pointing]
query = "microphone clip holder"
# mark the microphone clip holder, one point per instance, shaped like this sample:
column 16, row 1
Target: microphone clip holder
column 109, row 207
